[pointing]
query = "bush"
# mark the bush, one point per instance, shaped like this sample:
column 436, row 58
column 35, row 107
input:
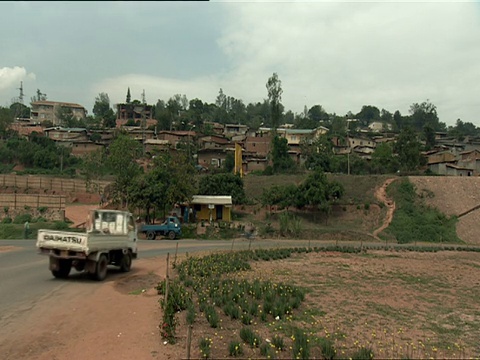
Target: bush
column 205, row 346
column 414, row 221
column 363, row 354
column 249, row 337
column 22, row 218
column 278, row 342
column 7, row 220
column 235, row 348
column 301, row 345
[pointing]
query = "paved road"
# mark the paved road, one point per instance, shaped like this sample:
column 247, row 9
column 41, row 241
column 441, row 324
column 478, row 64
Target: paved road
column 25, row 279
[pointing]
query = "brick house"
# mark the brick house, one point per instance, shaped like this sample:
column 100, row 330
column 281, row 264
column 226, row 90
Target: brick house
column 42, row 111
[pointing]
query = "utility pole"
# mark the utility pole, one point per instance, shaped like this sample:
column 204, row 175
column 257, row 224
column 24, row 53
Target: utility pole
column 144, row 104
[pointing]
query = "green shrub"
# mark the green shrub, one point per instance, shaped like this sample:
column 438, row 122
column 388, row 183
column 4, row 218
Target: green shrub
column 22, row 218
column 235, row 348
column 60, row 225
column 414, row 221
column 249, row 337
column 190, row 314
column 363, row 354
column 205, row 347
column 42, row 209
column 301, row 345
column 212, row 316
column 266, row 351
column 327, row 348
column 7, row 220
column 278, row 342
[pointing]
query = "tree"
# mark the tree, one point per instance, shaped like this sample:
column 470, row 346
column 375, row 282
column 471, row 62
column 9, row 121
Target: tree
column 129, row 97
column 39, row 97
column 229, row 163
column 383, row 159
column 274, row 89
column 122, row 159
column 6, row 119
column 318, row 154
column 282, row 195
column 169, row 181
column 368, row 114
column 429, row 137
column 103, row 112
column 223, row 184
column 425, row 114
column 19, row 110
column 408, row 149
column 281, row 160
column 318, row 192
column 93, row 167
column 68, row 119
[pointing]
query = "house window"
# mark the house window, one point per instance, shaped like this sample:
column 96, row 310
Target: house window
column 214, row 162
column 294, row 138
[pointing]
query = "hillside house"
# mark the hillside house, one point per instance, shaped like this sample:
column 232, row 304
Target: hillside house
column 260, row 145
column 212, row 158
column 135, row 113
column 81, row 148
column 176, row 137
column 139, row 134
column 215, row 127
column 24, row 127
column 455, row 170
column 155, row 146
column 212, row 142
column 42, row 111
column 62, row 134
column 378, row 126
column 437, row 162
column 235, row 130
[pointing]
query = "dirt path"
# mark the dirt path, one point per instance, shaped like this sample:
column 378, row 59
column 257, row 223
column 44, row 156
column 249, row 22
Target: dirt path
column 117, row 320
column 381, row 195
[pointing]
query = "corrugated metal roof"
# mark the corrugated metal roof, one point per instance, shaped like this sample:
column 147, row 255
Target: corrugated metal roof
column 212, row 199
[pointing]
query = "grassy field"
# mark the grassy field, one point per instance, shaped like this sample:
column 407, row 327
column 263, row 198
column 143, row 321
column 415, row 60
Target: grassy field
column 358, row 189
column 356, row 215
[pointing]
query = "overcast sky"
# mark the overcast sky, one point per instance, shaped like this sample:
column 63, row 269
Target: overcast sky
column 341, row 55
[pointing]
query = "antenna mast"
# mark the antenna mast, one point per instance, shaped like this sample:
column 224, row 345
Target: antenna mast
column 20, row 98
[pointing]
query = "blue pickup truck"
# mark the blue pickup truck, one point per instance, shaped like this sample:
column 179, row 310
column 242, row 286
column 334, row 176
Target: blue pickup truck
column 170, row 228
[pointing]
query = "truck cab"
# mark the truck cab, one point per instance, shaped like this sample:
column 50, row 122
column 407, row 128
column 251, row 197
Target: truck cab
column 171, row 228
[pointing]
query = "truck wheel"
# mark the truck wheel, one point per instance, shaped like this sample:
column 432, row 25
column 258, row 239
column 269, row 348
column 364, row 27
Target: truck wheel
column 151, row 235
column 126, row 262
column 101, row 268
column 171, row 235
column 64, row 267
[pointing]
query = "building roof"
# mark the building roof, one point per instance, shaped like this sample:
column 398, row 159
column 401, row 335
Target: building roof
column 212, row 199
column 157, row 142
column 59, row 128
column 53, row 103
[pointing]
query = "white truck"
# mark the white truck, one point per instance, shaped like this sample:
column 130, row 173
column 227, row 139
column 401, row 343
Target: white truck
column 110, row 239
